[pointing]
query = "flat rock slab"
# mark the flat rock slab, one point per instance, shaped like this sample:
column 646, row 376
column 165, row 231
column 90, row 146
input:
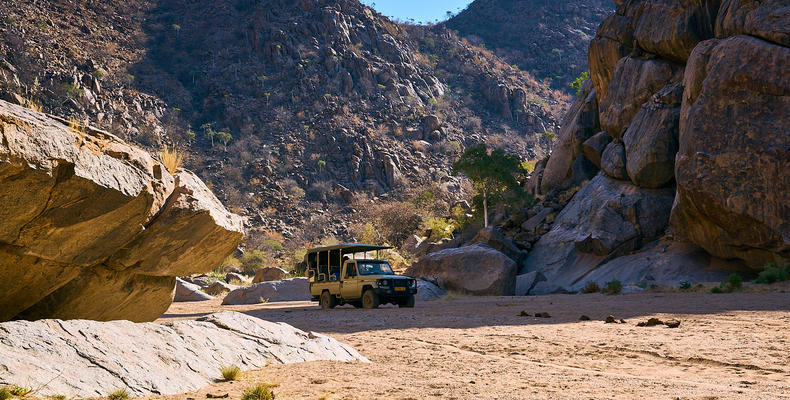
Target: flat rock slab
column 80, row 358
column 294, row 289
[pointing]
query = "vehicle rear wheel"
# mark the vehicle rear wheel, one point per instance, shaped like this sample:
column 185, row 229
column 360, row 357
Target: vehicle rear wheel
column 407, row 302
column 327, row 301
column 370, row 299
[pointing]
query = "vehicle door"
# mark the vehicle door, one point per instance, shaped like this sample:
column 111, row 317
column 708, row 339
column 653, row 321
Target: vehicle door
column 349, row 288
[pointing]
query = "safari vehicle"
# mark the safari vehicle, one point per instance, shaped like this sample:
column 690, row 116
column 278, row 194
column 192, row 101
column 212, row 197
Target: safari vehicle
column 343, row 274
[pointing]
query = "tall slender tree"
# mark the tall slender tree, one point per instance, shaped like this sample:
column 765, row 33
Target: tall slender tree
column 492, row 172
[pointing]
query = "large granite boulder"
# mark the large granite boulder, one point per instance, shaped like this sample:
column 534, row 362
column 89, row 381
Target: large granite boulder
column 90, row 359
column 605, row 219
column 186, row 291
column 594, row 147
column 613, row 162
column 613, row 41
column 491, row 237
column 476, row 269
column 580, row 123
column 269, row 274
column 651, row 141
column 633, row 82
column 671, row 28
column 294, row 289
column 94, row 228
column 766, row 19
column 733, row 164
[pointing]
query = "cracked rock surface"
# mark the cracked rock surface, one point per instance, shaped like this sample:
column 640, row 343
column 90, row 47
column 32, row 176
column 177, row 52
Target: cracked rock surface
column 81, row 358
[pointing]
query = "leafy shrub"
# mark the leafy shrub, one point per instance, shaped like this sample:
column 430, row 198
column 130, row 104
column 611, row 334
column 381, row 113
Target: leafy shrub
column 253, row 260
column 73, row 90
column 774, row 273
column 732, row 284
column 591, row 287
column 5, row 394
column 735, row 281
column 613, row 287
column 258, row 392
column 120, row 394
column 579, row 82
column 440, row 228
column 230, row 372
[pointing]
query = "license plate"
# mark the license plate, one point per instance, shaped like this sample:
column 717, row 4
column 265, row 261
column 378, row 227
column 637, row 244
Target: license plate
column 400, row 289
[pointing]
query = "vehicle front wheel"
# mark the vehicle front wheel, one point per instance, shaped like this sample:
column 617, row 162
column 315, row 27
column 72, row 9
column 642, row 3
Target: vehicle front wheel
column 370, row 299
column 407, row 303
column 327, row 301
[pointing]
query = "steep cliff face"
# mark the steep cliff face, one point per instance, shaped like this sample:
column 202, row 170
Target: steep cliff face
column 93, row 228
column 693, row 101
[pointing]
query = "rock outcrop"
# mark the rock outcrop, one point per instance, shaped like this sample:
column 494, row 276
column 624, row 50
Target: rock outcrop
column 477, row 269
column 83, row 359
column 733, row 167
column 606, row 218
column 94, row 228
column 269, row 274
column 186, row 291
column 698, row 139
column 294, row 289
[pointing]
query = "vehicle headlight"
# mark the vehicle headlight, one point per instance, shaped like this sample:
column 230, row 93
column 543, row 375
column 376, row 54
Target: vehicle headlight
column 412, row 283
column 383, row 282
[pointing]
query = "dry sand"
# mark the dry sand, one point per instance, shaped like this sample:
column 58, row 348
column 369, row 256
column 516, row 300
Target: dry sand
column 728, row 346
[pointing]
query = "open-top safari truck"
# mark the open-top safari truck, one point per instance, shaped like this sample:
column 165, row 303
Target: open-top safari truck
column 344, row 274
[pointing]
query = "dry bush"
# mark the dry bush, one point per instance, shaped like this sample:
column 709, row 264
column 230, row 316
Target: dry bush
column 258, row 392
column 230, row 372
column 395, row 220
column 171, row 158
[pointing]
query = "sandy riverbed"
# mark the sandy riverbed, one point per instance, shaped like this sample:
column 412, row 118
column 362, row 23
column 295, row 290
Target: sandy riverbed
column 728, row 346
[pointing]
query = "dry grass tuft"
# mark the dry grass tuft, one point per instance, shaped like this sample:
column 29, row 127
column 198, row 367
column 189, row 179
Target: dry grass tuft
column 119, row 394
column 32, row 104
column 76, row 127
column 171, row 157
column 230, row 372
column 258, row 392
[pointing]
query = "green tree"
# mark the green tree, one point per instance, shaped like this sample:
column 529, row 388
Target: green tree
column 492, row 173
column 209, row 132
column 225, row 138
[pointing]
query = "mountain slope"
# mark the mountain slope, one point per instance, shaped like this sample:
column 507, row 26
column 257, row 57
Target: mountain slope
column 289, row 110
column 548, row 38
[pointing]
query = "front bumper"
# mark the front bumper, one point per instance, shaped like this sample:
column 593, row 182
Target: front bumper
column 391, row 292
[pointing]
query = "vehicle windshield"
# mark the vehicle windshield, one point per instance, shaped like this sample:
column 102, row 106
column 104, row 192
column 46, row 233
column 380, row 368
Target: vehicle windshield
column 374, row 268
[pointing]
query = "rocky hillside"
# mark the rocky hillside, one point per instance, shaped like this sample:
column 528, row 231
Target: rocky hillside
column 547, row 38
column 94, row 228
column 289, row 110
column 686, row 120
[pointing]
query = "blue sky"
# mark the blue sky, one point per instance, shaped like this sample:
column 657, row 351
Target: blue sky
column 420, row 10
